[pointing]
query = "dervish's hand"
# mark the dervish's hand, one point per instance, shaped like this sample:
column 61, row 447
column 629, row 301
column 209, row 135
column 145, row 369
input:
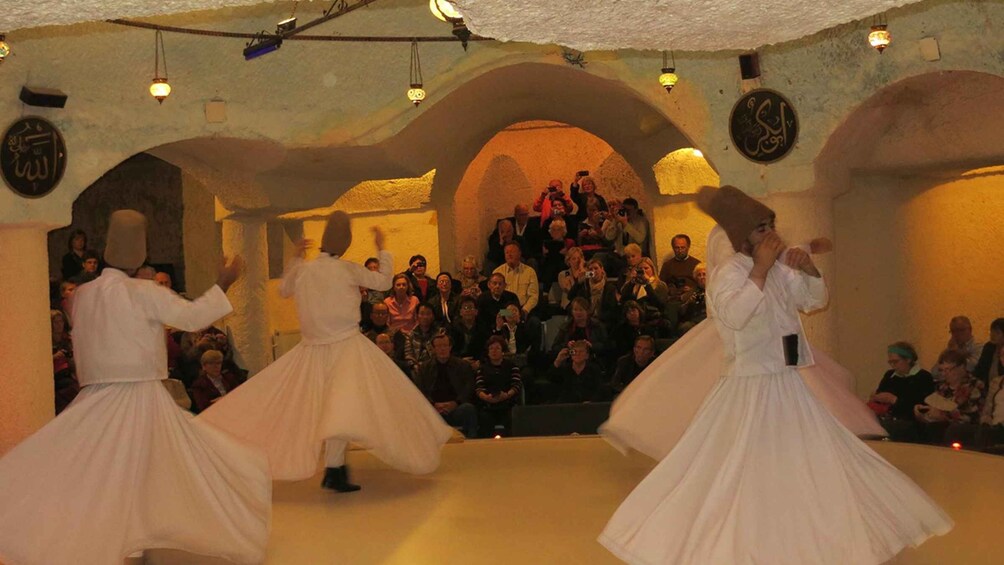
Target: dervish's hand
column 378, row 237
column 230, row 273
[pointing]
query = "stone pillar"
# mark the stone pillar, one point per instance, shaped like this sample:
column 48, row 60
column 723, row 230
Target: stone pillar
column 247, row 237
column 26, row 387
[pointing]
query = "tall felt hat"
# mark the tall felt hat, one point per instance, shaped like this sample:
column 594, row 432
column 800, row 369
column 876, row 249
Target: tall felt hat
column 125, row 245
column 337, row 234
column 738, row 213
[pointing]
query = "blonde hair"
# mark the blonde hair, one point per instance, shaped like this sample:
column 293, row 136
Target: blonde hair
column 632, row 248
column 211, row 356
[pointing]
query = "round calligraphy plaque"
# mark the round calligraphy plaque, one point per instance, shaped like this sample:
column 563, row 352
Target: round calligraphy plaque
column 32, row 157
column 763, row 126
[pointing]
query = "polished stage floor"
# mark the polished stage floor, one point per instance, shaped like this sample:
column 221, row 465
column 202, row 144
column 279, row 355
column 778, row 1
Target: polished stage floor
column 544, row 500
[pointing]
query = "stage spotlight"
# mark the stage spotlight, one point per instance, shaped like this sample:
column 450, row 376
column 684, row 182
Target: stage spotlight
column 285, row 26
column 262, row 45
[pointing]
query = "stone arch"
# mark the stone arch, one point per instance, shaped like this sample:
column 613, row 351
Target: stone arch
column 915, row 181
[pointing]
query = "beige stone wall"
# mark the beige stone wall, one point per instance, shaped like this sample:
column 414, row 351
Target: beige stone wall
column 202, row 237
column 912, row 253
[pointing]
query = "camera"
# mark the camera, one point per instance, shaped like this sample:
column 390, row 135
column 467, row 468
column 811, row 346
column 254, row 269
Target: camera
column 551, row 189
column 417, row 264
column 622, row 212
column 583, row 173
column 590, row 275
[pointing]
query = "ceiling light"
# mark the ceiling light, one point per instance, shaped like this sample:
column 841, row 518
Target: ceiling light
column 416, row 93
column 159, row 87
column 4, row 48
column 445, row 11
column 879, row 37
column 668, row 78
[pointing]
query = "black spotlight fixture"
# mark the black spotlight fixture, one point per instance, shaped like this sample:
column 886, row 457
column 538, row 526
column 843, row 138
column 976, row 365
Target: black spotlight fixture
column 262, row 44
column 444, row 10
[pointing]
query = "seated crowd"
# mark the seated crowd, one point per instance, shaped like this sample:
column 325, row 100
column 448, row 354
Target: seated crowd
column 568, row 307
column 200, row 364
column 960, row 402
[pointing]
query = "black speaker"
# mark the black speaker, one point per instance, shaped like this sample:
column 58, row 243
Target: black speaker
column 559, row 419
column 749, row 65
column 45, row 97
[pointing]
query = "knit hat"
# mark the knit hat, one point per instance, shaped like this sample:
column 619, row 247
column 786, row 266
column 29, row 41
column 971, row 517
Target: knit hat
column 337, row 234
column 125, row 245
column 737, row 213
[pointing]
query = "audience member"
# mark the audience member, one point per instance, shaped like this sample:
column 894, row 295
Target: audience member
column 627, row 224
column 387, row 344
column 371, row 296
column 582, row 326
column 494, row 300
column 402, row 305
column 553, row 254
column 575, row 274
column 590, row 233
column 652, row 295
column 527, row 230
column 600, row 294
column 545, row 203
column 73, row 261
column 421, row 284
column 628, row 328
column 448, row 382
column 904, row 386
column 378, row 323
column 418, row 343
column 577, row 377
column 164, row 280
column 632, row 364
column 989, row 364
column 520, row 278
column 508, row 326
column 497, row 387
column 957, row 398
column 991, row 430
column 584, row 194
column 694, row 308
column 961, row 331
column 63, row 369
column 472, row 282
column 66, row 289
column 469, row 336
column 503, row 235
column 145, row 272
column 678, row 271
column 444, row 299
column 89, row 269
column 213, row 382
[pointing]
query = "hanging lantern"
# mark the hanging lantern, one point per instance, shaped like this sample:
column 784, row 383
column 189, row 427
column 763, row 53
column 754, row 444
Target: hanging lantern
column 4, row 48
column 416, row 93
column 879, row 37
column 668, row 78
column 159, row 87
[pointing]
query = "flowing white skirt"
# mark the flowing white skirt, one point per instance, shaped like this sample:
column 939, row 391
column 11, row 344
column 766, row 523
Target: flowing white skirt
column 658, row 406
column 766, row 475
column 348, row 390
column 124, row 469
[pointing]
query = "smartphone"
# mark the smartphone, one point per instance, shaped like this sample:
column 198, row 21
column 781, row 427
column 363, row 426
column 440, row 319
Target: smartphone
column 583, row 173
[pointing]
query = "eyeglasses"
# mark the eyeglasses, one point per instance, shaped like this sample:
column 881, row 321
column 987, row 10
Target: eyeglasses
column 468, row 308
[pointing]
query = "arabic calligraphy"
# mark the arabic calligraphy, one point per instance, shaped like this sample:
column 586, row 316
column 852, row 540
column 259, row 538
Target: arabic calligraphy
column 32, row 157
column 763, row 126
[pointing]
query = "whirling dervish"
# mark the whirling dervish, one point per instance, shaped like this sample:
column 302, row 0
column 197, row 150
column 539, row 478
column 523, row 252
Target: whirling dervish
column 123, row 468
column 335, row 386
column 764, row 473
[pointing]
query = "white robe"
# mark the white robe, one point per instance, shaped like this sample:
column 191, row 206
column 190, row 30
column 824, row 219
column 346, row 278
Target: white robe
column 764, row 474
column 124, row 469
column 335, row 385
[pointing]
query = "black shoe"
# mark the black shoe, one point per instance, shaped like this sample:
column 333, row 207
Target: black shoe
column 337, row 479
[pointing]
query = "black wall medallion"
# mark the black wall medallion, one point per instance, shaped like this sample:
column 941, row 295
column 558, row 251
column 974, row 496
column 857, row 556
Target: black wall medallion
column 32, row 157
column 763, row 126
